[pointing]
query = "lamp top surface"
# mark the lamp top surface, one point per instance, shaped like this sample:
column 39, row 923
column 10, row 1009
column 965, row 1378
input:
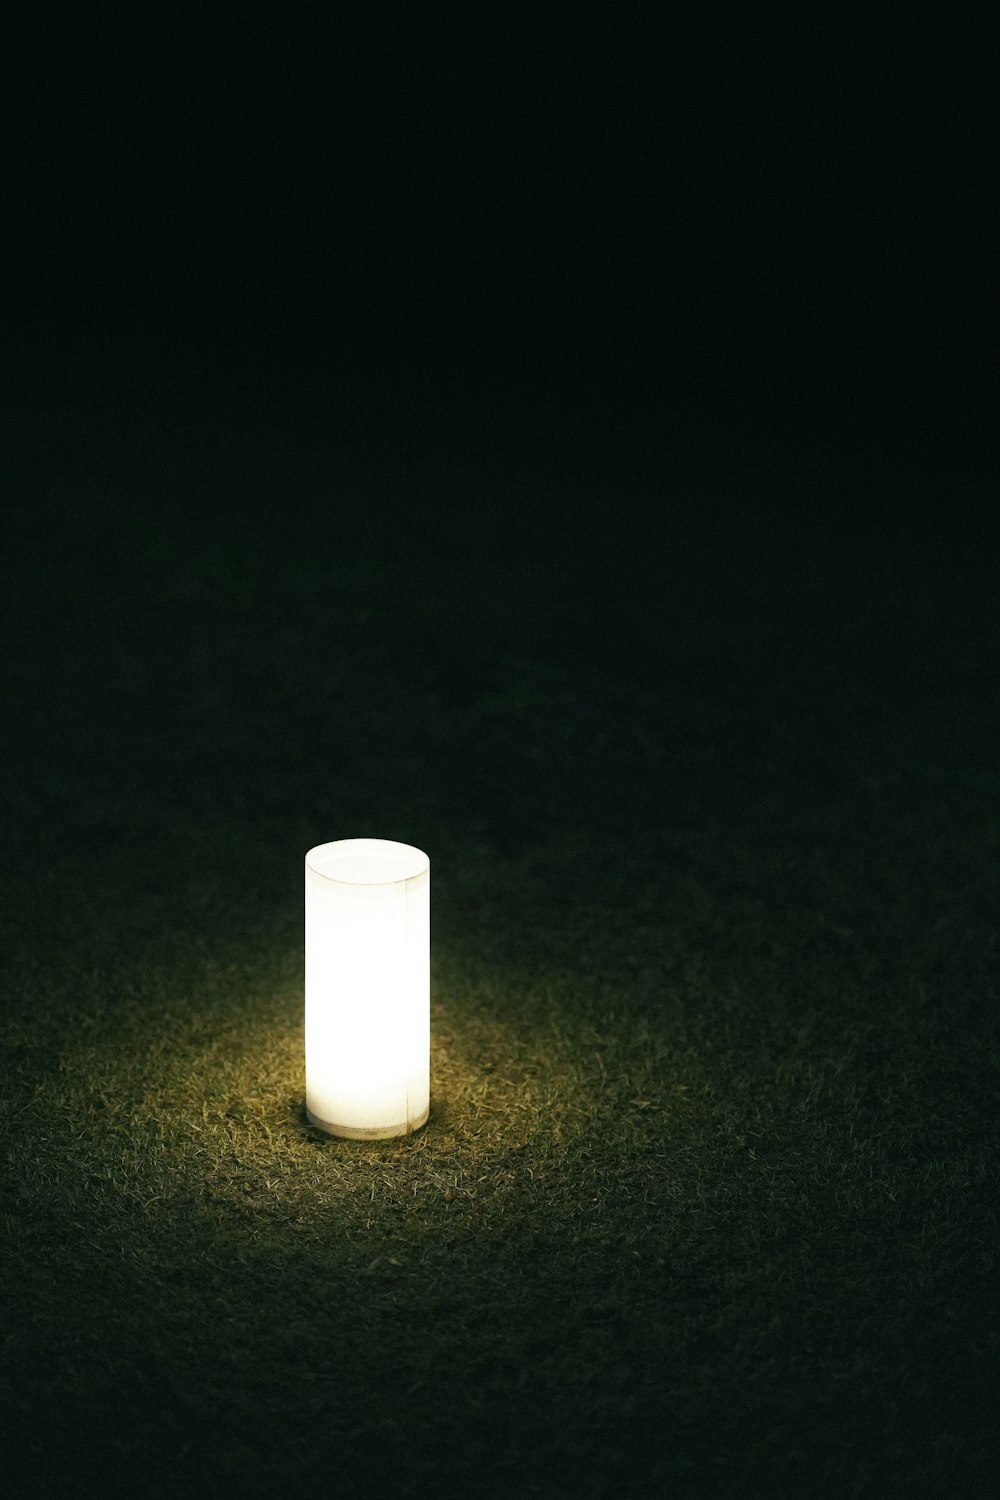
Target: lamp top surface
column 367, row 861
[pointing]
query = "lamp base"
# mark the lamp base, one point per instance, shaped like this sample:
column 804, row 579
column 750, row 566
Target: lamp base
column 373, row 1133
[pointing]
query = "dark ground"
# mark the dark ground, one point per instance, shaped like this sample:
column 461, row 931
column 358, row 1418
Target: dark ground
column 632, row 561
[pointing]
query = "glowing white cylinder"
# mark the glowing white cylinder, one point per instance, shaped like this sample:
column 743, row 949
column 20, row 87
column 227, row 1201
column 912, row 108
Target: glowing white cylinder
column 368, row 907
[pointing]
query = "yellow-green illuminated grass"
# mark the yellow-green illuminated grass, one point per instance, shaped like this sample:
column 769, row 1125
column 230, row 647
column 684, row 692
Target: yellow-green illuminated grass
column 634, row 1197
column 706, row 1204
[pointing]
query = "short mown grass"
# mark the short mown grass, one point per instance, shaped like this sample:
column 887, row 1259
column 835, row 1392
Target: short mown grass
column 707, row 1201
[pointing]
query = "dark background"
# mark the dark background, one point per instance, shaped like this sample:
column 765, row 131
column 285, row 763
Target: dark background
column 703, row 236
column 559, row 439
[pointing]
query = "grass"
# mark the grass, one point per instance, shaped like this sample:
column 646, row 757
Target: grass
column 707, row 1200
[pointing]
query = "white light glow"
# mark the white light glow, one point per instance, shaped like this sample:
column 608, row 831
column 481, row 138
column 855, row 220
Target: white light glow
column 367, row 987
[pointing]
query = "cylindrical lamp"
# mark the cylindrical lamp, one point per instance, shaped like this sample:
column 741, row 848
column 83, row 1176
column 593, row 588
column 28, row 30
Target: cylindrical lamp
column 368, row 907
